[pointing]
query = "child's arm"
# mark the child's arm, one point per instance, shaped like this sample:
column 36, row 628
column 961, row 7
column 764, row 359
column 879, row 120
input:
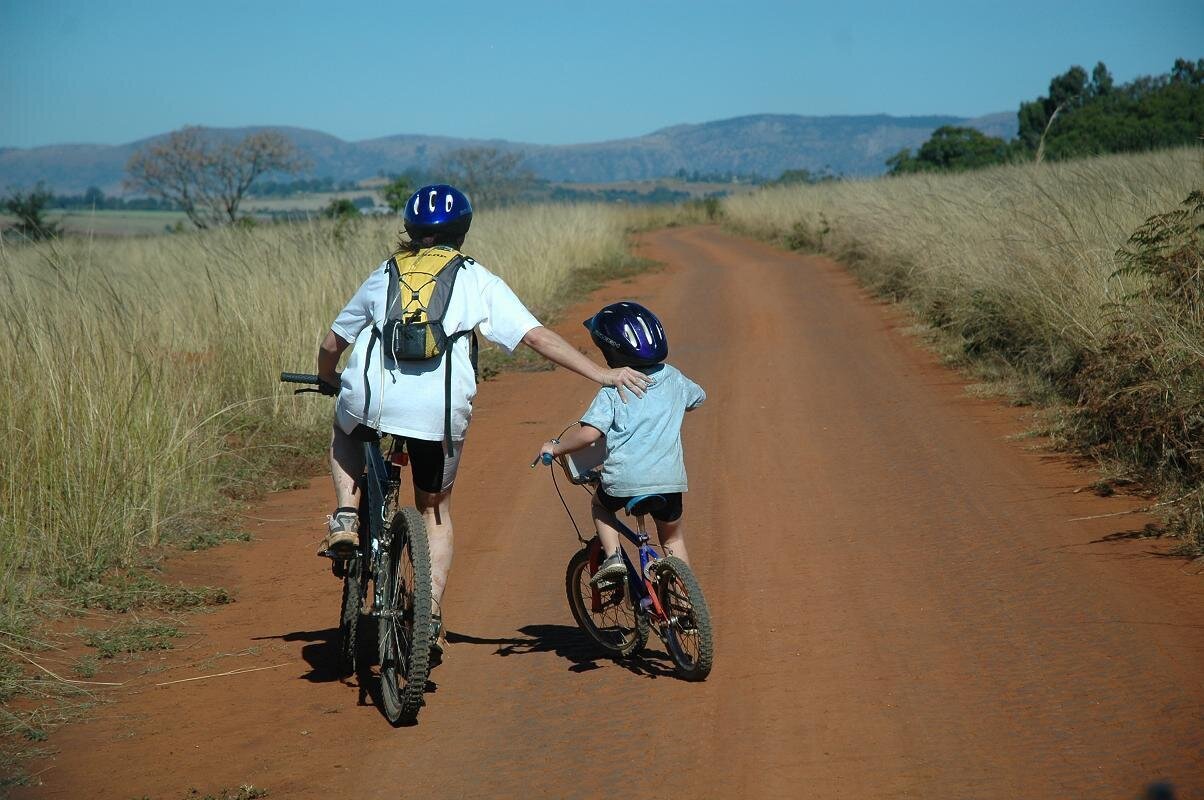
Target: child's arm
column 579, row 438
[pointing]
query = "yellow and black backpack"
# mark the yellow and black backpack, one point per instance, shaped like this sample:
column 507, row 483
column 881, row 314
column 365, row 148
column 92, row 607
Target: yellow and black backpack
column 420, row 287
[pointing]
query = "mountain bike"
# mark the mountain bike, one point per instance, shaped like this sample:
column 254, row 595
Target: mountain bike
column 395, row 558
column 662, row 593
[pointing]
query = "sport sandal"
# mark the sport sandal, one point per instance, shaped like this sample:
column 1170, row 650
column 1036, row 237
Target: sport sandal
column 612, row 570
column 342, row 534
column 438, row 643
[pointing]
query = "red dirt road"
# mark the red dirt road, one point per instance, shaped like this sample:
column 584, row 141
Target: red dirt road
column 903, row 605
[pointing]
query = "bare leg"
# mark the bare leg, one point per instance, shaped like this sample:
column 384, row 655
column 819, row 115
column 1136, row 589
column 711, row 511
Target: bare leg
column 436, row 513
column 346, row 466
column 673, row 539
column 607, row 532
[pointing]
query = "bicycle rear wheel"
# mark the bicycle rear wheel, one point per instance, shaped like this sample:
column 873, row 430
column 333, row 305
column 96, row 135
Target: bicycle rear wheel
column 349, row 614
column 688, row 633
column 615, row 624
column 405, row 619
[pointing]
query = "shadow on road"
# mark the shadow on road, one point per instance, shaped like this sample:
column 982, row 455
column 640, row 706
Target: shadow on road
column 322, row 652
column 571, row 644
column 322, row 655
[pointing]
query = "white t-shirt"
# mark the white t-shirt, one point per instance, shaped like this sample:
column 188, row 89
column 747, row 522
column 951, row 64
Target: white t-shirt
column 413, row 391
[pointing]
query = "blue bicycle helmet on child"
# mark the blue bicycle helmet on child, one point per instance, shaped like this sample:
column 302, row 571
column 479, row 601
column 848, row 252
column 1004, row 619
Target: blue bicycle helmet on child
column 438, row 210
column 628, row 335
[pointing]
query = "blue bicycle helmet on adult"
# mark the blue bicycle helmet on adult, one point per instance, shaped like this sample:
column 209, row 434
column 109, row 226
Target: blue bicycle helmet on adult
column 438, row 210
column 628, row 335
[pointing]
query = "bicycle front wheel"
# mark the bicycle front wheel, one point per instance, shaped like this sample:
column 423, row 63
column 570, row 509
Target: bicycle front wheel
column 349, row 614
column 605, row 614
column 405, row 619
column 688, row 633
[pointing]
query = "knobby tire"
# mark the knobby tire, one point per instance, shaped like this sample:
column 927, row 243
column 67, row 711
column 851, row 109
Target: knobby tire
column 689, row 635
column 405, row 622
column 349, row 615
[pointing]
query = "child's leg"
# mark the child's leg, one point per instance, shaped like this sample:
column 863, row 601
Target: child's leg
column 673, row 539
column 607, row 532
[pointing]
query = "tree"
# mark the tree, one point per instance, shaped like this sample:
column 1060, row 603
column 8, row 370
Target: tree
column 1101, row 80
column 804, row 175
column 1187, row 72
column 94, row 198
column 951, row 149
column 207, row 176
column 396, row 192
column 341, row 208
column 489, row 176
column 29, row 209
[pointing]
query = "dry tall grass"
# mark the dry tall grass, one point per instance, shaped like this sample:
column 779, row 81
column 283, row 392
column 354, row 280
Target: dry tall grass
column 1019, row 267
column 140, row 373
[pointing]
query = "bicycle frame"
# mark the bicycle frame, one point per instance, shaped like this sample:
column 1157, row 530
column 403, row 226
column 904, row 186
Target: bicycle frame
column 381, row 479
column 639, row 582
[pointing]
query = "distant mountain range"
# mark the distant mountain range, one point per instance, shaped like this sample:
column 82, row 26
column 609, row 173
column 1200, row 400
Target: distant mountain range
column 762, row 144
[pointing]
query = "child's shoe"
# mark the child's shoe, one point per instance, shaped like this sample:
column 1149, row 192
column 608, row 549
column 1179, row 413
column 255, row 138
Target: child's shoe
column 612, row 570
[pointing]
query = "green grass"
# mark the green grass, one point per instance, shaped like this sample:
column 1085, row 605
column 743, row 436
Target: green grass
column 131, row 637
column 130, row 592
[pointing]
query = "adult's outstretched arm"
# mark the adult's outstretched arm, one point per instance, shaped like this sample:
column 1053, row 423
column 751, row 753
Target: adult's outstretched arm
column 554, row 348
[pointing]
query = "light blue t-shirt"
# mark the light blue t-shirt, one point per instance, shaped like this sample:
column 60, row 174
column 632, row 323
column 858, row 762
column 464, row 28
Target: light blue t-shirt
column 643, row 435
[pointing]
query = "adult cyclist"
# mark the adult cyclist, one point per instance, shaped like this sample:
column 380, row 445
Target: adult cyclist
column 409, row 399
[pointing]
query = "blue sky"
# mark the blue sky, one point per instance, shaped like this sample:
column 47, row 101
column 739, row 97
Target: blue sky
column 545, row 72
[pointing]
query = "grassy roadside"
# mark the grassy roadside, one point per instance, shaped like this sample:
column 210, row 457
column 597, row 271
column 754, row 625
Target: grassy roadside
column 144, row 408
column 1075, row 286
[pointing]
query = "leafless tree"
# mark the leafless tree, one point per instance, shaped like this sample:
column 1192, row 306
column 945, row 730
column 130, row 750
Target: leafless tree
column 206, row 176
column 489, row 176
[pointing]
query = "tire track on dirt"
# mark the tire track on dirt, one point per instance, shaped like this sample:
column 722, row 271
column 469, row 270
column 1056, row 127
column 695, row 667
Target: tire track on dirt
column 902, row 606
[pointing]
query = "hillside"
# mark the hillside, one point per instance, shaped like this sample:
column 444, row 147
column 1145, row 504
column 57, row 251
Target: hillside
column 763, row 144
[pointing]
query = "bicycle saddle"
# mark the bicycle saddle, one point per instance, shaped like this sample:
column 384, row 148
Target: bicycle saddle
column 645, row 504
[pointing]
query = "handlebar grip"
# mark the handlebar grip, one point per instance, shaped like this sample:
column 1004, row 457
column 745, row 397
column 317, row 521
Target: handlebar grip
column 299, row 377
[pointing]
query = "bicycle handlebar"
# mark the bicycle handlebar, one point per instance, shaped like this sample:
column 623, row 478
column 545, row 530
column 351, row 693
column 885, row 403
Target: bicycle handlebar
column 299, row 377
column 546, row 458
column 320, row 386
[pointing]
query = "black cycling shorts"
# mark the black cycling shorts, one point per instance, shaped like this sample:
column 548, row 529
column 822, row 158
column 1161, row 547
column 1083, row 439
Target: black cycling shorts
column 670, row 513
column 431, row 468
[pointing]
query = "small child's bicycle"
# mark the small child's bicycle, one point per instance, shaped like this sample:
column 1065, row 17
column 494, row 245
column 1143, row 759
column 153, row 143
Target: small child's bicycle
column 394, row 556
column 663, row 592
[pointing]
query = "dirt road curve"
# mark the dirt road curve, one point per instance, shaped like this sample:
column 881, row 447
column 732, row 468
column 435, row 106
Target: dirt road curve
column 903, row 606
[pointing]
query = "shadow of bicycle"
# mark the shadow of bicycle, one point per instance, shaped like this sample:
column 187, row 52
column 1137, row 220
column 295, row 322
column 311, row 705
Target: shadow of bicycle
column 321, row 653
column 571, row 644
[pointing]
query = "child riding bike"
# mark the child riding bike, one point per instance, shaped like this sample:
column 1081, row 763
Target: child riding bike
column 642, row 437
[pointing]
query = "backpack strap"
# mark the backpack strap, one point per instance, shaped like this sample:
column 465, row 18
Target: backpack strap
column 444, row 286
column 447, row 383
column 391, row 296
column 394, row 291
